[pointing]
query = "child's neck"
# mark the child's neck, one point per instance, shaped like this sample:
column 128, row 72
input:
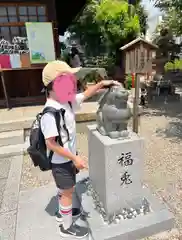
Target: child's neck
column 52, row 96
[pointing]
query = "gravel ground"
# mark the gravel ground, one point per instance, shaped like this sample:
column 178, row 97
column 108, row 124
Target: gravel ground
column 162, row 130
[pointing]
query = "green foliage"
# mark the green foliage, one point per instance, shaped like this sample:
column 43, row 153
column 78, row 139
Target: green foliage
column 128, row 81
column 106, row 25
column 114, row 21
column 169, row 66
column 173, row 66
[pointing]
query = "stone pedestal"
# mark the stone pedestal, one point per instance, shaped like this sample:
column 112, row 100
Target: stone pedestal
column 114, row 184
column 115, row 169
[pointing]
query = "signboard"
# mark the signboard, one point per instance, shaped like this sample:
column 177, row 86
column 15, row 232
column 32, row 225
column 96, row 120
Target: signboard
column 40, row 42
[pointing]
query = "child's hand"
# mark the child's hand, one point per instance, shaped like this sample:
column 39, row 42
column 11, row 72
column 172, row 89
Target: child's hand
column 80, row 163
column 109, row 83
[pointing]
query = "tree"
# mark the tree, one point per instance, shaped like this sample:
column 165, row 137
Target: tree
column 106, row 25
column 172, row 14
column 168, row 49
column 143, row 18
column 115, row 23
column 86, row 29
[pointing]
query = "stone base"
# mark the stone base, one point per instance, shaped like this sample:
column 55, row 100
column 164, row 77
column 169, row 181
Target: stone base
column 158, row 220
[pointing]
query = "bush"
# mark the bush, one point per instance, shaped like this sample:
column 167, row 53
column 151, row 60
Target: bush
column 128, row 82
column 169, row 66
column 173, row 66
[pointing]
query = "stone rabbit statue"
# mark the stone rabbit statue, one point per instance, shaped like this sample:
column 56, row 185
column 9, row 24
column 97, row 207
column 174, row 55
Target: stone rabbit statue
column 113, row 112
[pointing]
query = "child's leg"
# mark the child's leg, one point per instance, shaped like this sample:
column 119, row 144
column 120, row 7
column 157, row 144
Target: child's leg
column 65, row 207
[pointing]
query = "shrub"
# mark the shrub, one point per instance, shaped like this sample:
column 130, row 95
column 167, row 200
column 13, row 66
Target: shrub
column 128, row 82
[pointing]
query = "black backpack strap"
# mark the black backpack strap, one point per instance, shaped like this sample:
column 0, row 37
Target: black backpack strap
column 70, row 104
column 56, row 115
column 62, row 111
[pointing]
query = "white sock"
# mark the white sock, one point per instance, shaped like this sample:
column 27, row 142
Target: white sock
column 66, row 213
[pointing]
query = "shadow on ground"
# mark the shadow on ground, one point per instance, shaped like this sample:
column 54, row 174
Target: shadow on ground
column 171, row 110
column 173, row 113
column 52, row 205
column 172, row 131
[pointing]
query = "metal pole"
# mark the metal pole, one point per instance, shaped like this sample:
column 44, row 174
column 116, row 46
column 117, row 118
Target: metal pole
column 5, row 90
column 136, row 104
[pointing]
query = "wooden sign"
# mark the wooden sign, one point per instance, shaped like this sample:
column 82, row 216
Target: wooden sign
column 138, row 56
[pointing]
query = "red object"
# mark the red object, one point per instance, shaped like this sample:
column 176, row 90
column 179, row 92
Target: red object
column 133, row 80
column 5, row 61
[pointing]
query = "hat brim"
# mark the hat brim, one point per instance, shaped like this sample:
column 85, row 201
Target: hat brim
column 75, row 70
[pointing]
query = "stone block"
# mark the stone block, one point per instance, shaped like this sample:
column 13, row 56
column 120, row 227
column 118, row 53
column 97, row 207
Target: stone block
column 8, row 225
column 115, row 169
column 11, row 150
column 11, row 138
column 158, row 220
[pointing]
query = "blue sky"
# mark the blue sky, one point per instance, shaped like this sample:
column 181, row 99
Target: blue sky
column 153, row 14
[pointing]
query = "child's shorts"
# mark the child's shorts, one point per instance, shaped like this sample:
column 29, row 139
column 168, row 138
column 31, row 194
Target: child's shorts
column 64, row 175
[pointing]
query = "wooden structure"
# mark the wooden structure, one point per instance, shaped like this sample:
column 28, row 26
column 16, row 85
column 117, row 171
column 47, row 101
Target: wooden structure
column 23, row 85
column 138, row 57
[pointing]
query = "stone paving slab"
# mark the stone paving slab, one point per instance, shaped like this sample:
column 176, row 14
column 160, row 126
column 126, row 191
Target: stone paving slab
column 11, row 191
column 4, row 167
column 4, row 172
column 2, row 188
column 36, row 210
column 8, row 225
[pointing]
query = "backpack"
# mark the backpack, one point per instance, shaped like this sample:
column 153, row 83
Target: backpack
column 37, row 149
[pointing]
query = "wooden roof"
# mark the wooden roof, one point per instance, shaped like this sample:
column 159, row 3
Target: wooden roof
column 139, row 39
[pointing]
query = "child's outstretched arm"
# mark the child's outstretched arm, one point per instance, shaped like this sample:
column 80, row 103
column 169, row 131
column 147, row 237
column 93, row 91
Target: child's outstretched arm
column 92, row 90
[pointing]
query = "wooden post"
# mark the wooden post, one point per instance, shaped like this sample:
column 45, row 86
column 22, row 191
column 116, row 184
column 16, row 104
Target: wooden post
column 5, row 90
column 136, row 103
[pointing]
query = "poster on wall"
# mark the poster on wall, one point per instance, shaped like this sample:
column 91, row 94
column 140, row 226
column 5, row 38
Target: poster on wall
column 40, row 42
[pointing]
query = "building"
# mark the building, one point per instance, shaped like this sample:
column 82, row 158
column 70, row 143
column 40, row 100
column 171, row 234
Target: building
column 24, row 86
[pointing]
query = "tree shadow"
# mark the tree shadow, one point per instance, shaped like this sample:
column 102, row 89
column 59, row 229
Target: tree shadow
column 173, row 131
column 169, row 109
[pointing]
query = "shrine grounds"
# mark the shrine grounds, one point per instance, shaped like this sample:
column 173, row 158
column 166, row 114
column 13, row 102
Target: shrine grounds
column 161, row 126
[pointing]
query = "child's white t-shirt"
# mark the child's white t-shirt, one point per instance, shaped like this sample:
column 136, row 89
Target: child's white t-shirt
column 49, row 129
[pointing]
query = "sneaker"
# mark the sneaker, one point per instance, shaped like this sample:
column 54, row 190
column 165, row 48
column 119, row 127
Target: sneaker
column 74, row 231
column 76, row 212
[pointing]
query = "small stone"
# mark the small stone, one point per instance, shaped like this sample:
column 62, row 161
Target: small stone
column 130, row 215
column 116, row 220
column 106, row 219
column 89, row 193
column 135, row 213
column 102, row 209
column 120, row 217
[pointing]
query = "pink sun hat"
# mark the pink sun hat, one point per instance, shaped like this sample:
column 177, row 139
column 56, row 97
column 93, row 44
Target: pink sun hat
column 65, row 87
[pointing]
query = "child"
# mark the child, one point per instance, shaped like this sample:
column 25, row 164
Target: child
column 60, row 83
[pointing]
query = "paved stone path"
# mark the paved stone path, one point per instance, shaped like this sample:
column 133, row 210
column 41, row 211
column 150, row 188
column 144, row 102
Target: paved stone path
column 10, row 196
